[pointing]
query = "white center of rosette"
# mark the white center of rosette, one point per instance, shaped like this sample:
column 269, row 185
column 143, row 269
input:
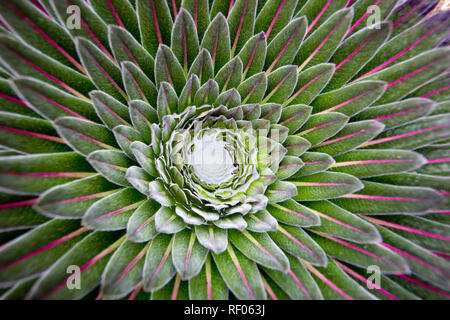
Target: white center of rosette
column 210, row 159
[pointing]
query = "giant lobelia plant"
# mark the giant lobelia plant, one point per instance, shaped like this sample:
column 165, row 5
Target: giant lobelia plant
column 224, row 149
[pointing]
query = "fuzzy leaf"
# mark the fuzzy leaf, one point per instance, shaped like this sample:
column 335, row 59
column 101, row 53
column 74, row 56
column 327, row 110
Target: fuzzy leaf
column 124, row 270
column 168, row 69
column 141, row 225
column 369, row 163
column 338, row 222
column 72, row 199
column 248, row 284
column 113, row 211
column 127, row 49
column 158, row 267
column 208, row 284
column 188, row 254
column 155, row 24
column 38, row 249
column 91, row 254
column 377, row 198
column 33, row 174
column 293, row 213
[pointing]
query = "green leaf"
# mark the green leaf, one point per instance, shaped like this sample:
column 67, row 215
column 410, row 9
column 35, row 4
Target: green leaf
column 202, row 67
column 84, row 136
column 321, row 44
column 36, row 250
column 314, row 162
column 283, row 48
column 126, row 135
column 118, row 12
column 19, row 290
column 199, row 10
column 230, row 75
column 335, row 284
column 240, row 274
column 174, row 290
column 320, row 127
column 310, row 83
column 406, row 76
column 139, row 179
column 230, row 98
column 26, row 61
column 144, row 156
column 188, row 254
column 104, row 73
column 274, row 15
column 137, row 85
column 127, row 49
column 10, row 102
column 364, row 13
column 414, row 134
column 288, row 167
column 207, row 93
column 184, row 42
column 158, row 267
column 280, row 84
column 167, row 221
column 350, row 99
column 241, row 22
column 235, row 221
column 92, row 28
column 141, row 225
column 142, row 116
column 124, row 270
column 168, row 69
column 294, row 116
column 91, row 254
column 298, row 243
column 17, row 213
column 26, row 134
column 253, row 89
column 51, row 102
column 352, row 136
column 369, row 163
column 187, row 95
column 417, row 39
column 281, row 191
column 261, row 221
column 208, row 284
column 293, row 213
column 340, row 223
column 253, row 55
column 378, row 198
column 362, row 255
column 356, row 51
column 422, row 263
column 436, row 160
column 217, row 41
column 297, row 282
column 111, row 164
column 211, row 237
column 296, row 145
column 39, row 31
column 155, row 24
column 73, row 199
column 325, row 185
column 397, row 113
column 113, row 211
column 33, row 174
column 109, row 110
column 260, row 248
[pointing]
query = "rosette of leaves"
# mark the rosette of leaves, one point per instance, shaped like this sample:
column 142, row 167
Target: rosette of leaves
column 336, row 160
